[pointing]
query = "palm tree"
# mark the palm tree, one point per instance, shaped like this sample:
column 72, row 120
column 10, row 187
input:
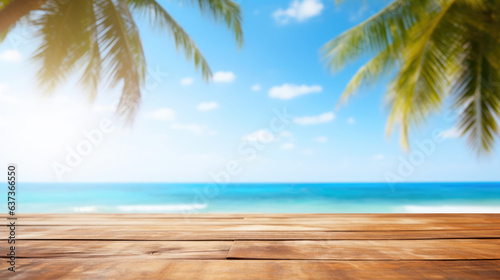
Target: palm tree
column 99, row 38
column 438, row 49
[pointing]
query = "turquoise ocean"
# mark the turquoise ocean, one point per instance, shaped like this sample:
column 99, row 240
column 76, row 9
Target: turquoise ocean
column 258, row 198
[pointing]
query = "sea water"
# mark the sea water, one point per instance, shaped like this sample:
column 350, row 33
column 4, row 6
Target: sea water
column 258, row 198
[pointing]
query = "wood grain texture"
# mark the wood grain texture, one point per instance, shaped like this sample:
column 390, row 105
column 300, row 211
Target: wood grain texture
column 124, row 269
column 457, row 249
column 255, row 246
column 284, row 227
column 271, row 222
column 136, row 249
column 161, row 233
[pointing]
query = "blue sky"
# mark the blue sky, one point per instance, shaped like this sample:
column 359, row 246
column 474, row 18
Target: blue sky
column 190, row 131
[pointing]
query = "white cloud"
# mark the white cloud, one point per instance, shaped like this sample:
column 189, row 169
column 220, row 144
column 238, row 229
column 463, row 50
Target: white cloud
column 187, row 81
column 163, row 114
column 378, row 157
column 207, row 106
column 321, row 139
column 288, row 146
column 323, row 118
column 351, row 120
column 298, row 11
column 194, row 128
column 11, row 56
column 224, row 77
column 450, row 133
column 289, row 91
column 262, row 135
column 256, row 87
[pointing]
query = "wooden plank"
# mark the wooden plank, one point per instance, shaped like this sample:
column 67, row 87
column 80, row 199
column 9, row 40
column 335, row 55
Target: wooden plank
column 236, row 226
column 128, row 215
column 272, row 222
column 266, row 246
column 164, row 233
column 129, row 249
column 446, row 249
column 120, row 268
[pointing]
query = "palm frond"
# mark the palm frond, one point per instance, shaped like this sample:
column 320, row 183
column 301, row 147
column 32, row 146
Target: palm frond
column 161, row 18
column 226, row 10
column 91, row 76
column 102, row 36
column 480, row 100
column 440, row 48
column 388, row 27
column 477, row 92
column 68, row 35
column 123, row 54
column 474, row 4
column 59, row 45
column 369, row 73
column 418, row 88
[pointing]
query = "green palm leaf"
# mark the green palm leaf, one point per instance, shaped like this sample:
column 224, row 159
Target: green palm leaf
column 226, row 10
column 477, row 90
column 381, row 31
column 439, row 48
column 369, row 73
column 101, row 36
column 124, row 59
column 60, row 45
column 418, row 88
column 161, row 18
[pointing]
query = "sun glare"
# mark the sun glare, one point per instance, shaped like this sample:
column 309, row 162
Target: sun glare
column 45, row 128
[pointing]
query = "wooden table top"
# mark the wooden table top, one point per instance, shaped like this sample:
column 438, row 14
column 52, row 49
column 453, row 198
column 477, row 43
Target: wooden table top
column 254, row 246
